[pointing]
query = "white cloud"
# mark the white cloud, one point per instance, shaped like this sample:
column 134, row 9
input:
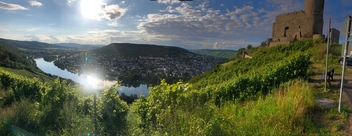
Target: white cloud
column 69, row 2
column 54, row 39
column 110, row 12
column 29, row 29
column 113, row 12
column 35, row 3
column 201, row 25
column 205, row 23
column 168, row 1
column 9, row 6
column 282, row 7
column 112, row 24
column 4, row 30
column 32, row 37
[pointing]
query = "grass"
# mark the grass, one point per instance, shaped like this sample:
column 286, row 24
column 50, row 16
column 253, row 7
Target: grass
column 328, row 121
column 285, row 112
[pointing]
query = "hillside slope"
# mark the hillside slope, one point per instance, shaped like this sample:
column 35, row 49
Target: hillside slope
column 19, row 62
column 135, row 50
column 267, row 95
column 80, row 46
column 33, row 45
column 259, row 96
column 12, row 57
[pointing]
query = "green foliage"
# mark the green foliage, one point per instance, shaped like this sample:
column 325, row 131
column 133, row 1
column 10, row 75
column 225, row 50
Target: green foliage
column 249, row 46
column 261, row 80
column 149, row 114
column 168, row 111
column 206, row 107
column 113, row 112
column 57, row 109
column 259, row 96
column 11, row 57
column 261, row 57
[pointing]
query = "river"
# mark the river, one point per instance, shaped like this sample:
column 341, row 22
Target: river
column 88, row 80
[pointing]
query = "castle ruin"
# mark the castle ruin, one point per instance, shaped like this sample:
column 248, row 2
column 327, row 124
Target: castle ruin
column 299, row 25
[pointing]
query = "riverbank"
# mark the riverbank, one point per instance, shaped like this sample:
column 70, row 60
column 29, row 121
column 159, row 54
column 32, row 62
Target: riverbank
column 83, row 79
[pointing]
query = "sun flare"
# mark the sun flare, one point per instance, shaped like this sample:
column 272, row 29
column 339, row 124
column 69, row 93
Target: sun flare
column 92, row 80
column 91, row 8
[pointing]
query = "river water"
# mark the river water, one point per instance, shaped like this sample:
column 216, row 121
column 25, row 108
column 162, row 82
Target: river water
column 88, row 80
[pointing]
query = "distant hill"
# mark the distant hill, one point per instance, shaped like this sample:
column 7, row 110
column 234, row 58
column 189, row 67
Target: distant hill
column 18, row 61
column 13, row 58
column 34, row 45
column 80, row 46
column 135, row 50
column 227, row 54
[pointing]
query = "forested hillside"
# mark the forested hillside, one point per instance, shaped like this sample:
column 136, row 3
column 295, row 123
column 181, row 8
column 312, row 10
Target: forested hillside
column 136, row 50
column 266, row 95
column 33, row 45
column 12, row 57
column 15, row 60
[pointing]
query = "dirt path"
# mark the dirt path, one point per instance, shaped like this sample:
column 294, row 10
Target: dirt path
column 333, row 101
column 346, row 96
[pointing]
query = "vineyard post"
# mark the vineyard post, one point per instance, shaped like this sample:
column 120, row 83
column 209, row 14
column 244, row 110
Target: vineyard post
column 95, row 114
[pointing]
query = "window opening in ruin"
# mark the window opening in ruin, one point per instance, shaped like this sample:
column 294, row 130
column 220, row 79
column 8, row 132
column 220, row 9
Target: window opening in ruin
column 286, row 28
column 299, row 26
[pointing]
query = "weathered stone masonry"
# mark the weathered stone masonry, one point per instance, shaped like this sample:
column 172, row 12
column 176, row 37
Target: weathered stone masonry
column 299, row 25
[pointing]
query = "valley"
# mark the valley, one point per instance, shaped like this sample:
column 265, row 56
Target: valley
column 145, row 64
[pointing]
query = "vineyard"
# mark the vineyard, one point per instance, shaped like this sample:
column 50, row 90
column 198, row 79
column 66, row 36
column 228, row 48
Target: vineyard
column 266, row 95
column 55, row 109
column 168, row 107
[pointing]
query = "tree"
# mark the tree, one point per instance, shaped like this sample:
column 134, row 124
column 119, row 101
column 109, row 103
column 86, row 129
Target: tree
column 113, row 112
column 249, row 46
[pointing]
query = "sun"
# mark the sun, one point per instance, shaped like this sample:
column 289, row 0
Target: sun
column 92, row 80
column 91, row 8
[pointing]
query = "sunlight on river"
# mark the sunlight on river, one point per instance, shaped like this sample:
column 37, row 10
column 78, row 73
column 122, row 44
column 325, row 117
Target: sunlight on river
column 90, row 81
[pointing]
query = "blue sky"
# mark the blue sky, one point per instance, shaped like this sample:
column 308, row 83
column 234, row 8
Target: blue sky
column 211, row 24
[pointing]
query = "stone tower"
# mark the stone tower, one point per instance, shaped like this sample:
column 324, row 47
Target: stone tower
column 299, row 25
column 314, row 10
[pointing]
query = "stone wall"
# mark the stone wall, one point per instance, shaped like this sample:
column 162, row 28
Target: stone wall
column 291, row 26
column 299, row 25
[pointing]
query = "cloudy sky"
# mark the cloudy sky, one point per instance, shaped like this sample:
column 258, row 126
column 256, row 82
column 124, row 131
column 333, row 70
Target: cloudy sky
column 212, row 24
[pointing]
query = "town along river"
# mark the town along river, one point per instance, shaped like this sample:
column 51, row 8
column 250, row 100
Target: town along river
column 82, row 79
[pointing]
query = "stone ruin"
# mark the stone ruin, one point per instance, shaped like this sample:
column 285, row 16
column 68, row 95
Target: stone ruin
column 299, row 25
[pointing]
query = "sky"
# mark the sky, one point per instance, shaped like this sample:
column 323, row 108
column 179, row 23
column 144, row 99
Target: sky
column 197, row 24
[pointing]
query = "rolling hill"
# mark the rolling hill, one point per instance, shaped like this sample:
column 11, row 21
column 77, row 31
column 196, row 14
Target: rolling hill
column 135, row 50
column 20, row 62
column 12, row 57
column 32, row 45
column 226, row 54
column 80, row 46
column 270, row 94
